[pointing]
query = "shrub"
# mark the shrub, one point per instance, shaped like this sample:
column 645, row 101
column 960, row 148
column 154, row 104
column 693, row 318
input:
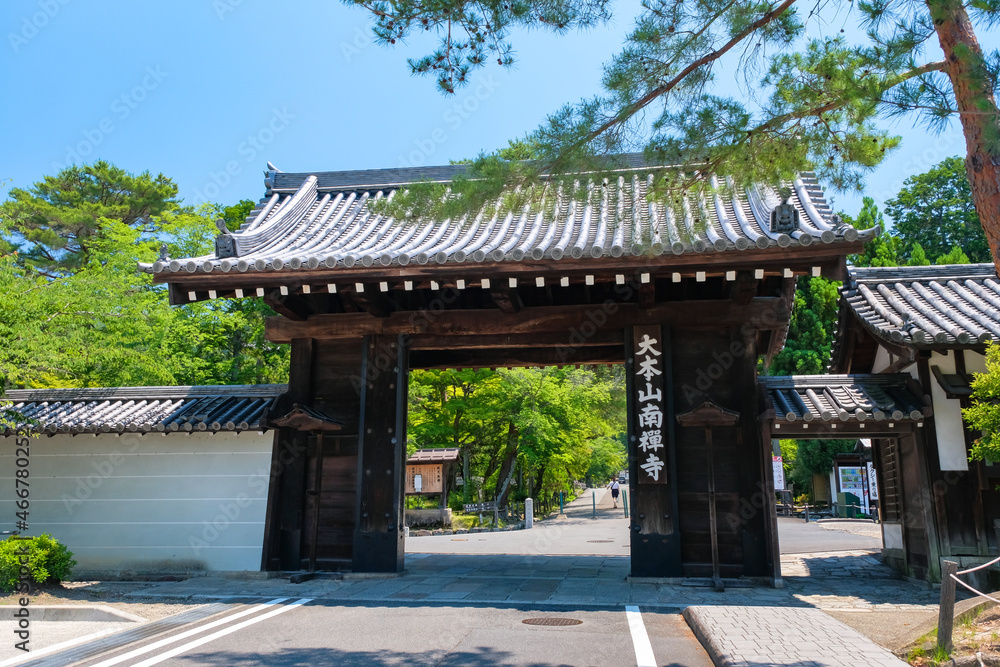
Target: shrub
column 48, row 561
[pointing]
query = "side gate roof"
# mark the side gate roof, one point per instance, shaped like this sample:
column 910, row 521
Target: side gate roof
column 925, row 307
column 139, row 409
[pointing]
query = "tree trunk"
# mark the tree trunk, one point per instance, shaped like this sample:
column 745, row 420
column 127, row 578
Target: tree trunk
column 503, row 485
column 536, row 490
column 978, row 112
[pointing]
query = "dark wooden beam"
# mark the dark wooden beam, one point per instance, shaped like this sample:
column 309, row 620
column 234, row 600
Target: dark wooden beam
column 647, row 295
column 506, row 299
column 773, row 261
column 762, row 313
column 835, row 430
column 292, row 306
column 376, row 303
column 499, row 341
column 744, row 288
column 502, row 358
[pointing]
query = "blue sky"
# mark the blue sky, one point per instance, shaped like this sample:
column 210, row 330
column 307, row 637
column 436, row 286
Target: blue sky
column 207, row 91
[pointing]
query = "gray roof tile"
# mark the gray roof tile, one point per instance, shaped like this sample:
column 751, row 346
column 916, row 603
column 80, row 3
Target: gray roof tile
column 926, row 306
column 139, row 409
column 321, row 221
column 855, row 398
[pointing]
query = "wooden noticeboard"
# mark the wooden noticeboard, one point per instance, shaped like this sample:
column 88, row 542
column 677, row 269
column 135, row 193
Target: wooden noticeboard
column 431, row 478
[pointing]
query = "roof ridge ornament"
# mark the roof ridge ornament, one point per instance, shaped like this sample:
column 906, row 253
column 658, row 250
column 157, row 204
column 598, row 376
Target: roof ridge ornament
column 225, row 243
column 784, row 216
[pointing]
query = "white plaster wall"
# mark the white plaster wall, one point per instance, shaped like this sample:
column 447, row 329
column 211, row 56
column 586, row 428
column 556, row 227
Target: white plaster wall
column 147, row 503
column 882, row 360
column 892, row 535
column 948, row 424
column 975, row 362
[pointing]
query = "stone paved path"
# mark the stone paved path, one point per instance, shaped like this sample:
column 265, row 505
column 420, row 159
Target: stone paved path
column 755, row 636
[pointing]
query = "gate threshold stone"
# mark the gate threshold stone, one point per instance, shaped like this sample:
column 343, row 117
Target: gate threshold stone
column 739, row 636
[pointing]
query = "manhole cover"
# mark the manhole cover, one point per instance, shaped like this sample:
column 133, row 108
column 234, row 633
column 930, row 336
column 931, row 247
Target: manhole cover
column 551, row 621
column 600, row 541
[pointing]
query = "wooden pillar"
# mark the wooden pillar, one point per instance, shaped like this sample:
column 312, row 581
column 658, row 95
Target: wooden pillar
column 770, row 507
column 286, row 492
column 655, row 543
column 718, row 365
column 378, row 534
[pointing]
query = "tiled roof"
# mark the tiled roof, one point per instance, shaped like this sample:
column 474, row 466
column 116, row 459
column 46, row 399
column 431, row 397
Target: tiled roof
column 924, row 306
column 141, row 409
column 322, row 221
column 437, row 455
column 844, row 398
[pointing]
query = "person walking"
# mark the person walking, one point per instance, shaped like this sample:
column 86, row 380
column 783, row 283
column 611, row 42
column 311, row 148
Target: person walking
column 614, row 486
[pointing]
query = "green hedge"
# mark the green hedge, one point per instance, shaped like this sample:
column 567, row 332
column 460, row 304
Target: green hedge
column 49, row 561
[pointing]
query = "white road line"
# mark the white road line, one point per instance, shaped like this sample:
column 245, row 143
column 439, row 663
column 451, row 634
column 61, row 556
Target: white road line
column 188, row 633
column 31, row 655
column 640, row 640
column 221, row 633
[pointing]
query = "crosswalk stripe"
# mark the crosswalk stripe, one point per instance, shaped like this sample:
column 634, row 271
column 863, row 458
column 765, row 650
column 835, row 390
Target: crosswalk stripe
column 221, row 633
column 188, row 633
column 640, row 640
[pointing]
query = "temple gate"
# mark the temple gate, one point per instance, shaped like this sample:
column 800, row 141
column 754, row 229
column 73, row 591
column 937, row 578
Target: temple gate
column 687, row 291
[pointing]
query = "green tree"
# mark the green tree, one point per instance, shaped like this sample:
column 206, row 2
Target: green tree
column 816, row 106
column 55, row 224
column 984, row 413
column 956, row 256
column 810, row 331
column 234, row 215
column 917, row 256
column 936, row 210
column 812, row 457
column 75, row 312
column 526, row 432
column 883, row 249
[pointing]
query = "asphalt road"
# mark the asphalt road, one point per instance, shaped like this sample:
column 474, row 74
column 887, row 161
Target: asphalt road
column 795, row 536
column 317, row 633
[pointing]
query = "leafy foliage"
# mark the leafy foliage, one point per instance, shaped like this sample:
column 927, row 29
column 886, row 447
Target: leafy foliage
column 472, row 33
column 87, row 318
column 526, row 432
column 984, row 413
column 883, row 249
column 810, row 332
column 935, row 210
column 59, row 221
column 48, row 561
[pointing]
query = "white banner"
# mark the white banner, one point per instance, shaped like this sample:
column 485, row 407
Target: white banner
column 779, row 473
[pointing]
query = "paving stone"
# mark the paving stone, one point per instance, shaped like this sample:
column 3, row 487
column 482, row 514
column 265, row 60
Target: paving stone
column 782, row 636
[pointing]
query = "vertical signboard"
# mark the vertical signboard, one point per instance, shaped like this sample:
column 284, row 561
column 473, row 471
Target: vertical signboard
column 779, row 473
column 872, row 482
column 650, row 430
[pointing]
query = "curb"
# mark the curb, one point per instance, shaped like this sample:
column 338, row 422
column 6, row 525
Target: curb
column 81, row 613
column 705, row 638
column 463, row 531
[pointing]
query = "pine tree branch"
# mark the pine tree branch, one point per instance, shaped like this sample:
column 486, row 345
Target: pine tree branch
column 664, row 88
column 833, row 105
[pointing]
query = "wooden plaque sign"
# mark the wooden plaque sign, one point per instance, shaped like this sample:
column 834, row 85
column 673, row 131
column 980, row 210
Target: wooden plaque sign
column 431, row 480
column 650, row 427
